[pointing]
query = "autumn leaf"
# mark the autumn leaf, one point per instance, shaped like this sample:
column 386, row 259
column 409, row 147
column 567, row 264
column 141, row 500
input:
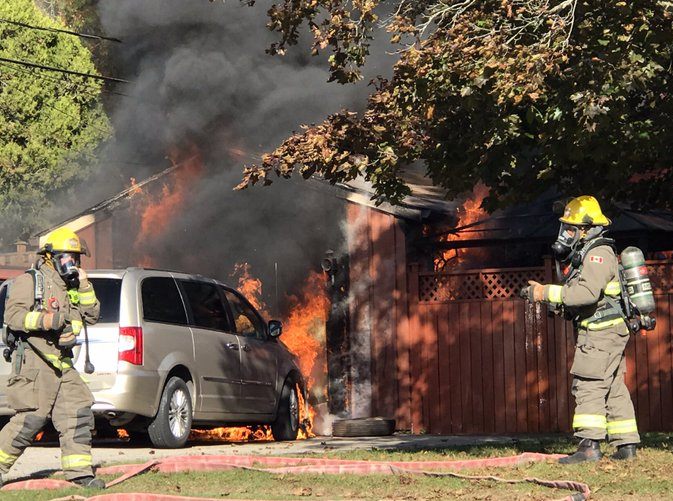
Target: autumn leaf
column 460, row 97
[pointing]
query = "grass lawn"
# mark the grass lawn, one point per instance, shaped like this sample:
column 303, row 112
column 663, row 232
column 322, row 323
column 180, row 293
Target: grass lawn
column 649, row 477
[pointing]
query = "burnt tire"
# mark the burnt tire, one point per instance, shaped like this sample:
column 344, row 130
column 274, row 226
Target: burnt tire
column 363, row 427
column 171, row 426
column 286, row 425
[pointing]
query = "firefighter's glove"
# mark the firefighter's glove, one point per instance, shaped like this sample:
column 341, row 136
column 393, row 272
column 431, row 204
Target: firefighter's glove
column 536, row 291
column 67, row 338
column 52, row 321
column 533, row 293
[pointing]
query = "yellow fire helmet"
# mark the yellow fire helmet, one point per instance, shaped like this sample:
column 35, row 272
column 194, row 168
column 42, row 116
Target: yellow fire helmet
column 61, row 240
column 584, row 210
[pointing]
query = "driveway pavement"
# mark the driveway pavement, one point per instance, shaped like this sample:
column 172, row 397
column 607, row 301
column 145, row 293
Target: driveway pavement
column 45, row 459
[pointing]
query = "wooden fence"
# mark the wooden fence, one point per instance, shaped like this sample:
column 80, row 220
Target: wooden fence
column 471, row 357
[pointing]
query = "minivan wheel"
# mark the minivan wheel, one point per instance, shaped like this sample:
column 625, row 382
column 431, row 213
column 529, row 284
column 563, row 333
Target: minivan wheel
column 173, row 422
column 286, row 425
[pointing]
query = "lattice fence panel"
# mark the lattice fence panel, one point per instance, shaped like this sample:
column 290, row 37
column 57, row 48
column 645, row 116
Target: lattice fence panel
column 486, row 285
column 504, row 284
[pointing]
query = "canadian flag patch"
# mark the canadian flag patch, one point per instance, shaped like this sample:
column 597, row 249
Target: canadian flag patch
column 596, row 259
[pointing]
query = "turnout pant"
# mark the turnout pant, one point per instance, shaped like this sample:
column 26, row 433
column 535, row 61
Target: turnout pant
column 602, row 401
column 39, row 393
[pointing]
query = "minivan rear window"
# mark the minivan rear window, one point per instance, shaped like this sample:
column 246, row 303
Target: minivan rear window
column 162, row 301
column 108, row 291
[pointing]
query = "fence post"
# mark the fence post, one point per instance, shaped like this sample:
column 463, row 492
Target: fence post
column 415, row 351
column 548, row 269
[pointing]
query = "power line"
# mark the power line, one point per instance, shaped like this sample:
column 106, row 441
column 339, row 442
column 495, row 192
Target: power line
column 60, row 70
column 57, row 30
column 55, row 108
column 91, row 91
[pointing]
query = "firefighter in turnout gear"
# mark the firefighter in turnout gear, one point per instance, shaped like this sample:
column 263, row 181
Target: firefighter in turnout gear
column 45, row 311
column 589, row 294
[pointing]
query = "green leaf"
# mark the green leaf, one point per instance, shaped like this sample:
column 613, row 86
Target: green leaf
column 50, row 124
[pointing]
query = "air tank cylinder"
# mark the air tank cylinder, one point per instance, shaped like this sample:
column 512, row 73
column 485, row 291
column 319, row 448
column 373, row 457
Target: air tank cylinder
column 638, row 286
column 637, row 278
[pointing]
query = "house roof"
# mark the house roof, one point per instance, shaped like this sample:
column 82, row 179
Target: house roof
column 425, row 199
column 531, row 222
column 87, row 217
column 538, row 226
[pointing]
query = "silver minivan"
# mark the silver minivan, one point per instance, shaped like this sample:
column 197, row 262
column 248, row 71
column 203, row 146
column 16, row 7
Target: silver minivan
column 173, row 351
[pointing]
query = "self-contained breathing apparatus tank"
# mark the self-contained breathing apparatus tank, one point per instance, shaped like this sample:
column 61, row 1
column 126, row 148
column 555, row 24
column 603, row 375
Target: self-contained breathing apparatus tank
column 637, row 293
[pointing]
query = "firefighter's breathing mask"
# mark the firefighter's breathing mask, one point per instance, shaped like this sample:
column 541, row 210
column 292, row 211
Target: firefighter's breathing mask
column 67, row 264
column 570, row 241
column 567, row 242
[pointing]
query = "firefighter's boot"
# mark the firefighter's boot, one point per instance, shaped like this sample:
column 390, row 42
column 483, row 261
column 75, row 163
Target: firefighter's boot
column 89, row 482
column 627, row 451
column 588, row 450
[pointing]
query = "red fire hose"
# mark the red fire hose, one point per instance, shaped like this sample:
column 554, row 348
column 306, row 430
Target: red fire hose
column 581, row 491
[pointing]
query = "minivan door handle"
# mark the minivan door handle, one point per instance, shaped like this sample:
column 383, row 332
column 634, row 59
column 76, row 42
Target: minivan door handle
column 232, row 346
column 246, row 347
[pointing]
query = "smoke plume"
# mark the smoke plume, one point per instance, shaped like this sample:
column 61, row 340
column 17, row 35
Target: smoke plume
column 199, row 77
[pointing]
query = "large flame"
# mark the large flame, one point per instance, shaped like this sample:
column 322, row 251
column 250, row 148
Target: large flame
column 304, row 329
column 469, row 213
column 157, row 209
column 304, row 326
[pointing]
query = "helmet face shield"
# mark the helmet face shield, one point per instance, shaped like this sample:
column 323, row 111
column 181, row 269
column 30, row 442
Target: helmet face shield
column 566, row 242
column 66, row 264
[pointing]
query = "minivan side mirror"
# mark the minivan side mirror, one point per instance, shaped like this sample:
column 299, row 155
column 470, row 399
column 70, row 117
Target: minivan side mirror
column 275, row 328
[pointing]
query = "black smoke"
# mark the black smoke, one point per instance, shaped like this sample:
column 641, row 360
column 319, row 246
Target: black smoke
column 199, row 76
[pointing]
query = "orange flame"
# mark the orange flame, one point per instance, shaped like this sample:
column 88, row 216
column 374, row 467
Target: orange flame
column 135, row 188
column 304, row 329
column 306, row 430
column 260, row 432
column 250, row 287
column 234, row 434
column 156, row 210
column 172, row 197
column 469, row 213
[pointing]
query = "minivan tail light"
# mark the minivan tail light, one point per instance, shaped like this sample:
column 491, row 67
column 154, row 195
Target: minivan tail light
column 131, row 345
